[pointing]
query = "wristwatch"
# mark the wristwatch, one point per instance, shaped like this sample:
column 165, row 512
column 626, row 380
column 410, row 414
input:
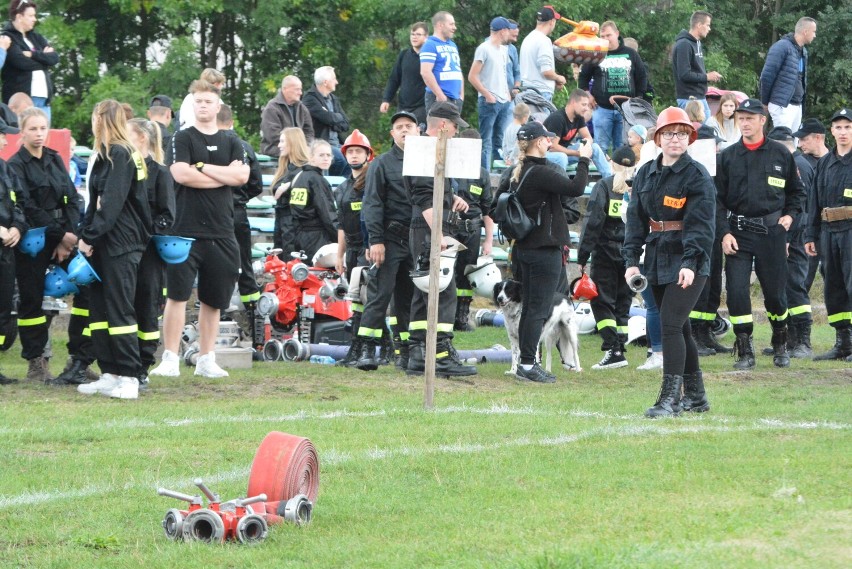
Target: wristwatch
column 199, row 166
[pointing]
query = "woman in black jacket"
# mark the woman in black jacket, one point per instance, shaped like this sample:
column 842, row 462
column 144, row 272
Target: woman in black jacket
column 540, row 186
column 312, row 203
column 28, row 59
column 672, row 213
column 293, row 155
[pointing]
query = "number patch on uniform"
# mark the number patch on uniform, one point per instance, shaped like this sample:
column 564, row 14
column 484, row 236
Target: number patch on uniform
column 615, row 207
column 776, row 182
column 356, row 206
column 299, row 196
column 476, row 190
column 847, row 193
column 676, row 203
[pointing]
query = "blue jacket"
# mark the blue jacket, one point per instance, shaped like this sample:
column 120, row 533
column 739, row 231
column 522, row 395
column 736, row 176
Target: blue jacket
column 781, row 72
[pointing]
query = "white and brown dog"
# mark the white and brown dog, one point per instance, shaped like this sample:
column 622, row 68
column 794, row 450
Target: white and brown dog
column 560, row 329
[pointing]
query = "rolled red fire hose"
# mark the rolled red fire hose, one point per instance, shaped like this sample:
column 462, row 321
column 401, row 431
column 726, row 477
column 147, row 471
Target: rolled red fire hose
column 283, row 467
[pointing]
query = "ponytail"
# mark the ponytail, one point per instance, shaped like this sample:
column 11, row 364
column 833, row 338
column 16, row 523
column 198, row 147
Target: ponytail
column 522, row 154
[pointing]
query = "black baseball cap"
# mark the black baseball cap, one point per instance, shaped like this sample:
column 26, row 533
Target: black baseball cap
column 533, row 130
column 624, row 156
column 753, row 106
column 844, row 113
column 810, row 126
column 706, row 132
column 403, row 114
column 5, row 128
column 547, row 13
column 447, row 110
column 782, row 133
column 161, row 101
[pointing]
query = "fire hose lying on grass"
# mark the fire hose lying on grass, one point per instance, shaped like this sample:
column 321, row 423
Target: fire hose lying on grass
column 283, row 485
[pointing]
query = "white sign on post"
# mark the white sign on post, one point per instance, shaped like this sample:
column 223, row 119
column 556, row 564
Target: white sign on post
column 464, row 156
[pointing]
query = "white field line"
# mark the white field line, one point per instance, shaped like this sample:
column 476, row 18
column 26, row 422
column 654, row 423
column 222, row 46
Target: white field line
column 333, row 456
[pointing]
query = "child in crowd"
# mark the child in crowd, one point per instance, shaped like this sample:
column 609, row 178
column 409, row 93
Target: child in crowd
column 695, row 110
column 520, row 116
column 725, row 121
column 636, row 137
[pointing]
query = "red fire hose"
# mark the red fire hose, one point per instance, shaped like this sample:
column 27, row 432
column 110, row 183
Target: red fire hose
column 284, row 467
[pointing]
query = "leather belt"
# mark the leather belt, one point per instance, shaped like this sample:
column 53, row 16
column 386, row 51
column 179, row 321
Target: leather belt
column 831, row 214
column 754, row 224
column 660, row 226
column 469, row 225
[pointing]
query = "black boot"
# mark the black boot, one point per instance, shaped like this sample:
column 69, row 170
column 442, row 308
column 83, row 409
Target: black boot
column 802, row 347
column 386, row 349
column 668, row 401
column 462, row 323
column 401, row 360
column 694, row 398
column 353, row 353
column 842, row 346
column 792, row 337
column 711, row 341
column 701, row 335
column 7, row 380
column 447, row 361
column 75, row 374
column 744, row 351
column 367, row 356
column 780, row 356
column 416, row 355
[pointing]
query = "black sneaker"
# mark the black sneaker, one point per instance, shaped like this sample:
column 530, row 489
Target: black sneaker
column 613, row 358
column 535, row 373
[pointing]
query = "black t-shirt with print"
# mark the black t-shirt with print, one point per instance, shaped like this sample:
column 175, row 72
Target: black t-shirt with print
column 566, row 129
column 204, row 213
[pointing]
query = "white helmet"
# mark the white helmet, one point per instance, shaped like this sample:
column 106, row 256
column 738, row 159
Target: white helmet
column 483, row 276
column 326, row 256
column 446, row 273
column 635, row 328
column 585, row 319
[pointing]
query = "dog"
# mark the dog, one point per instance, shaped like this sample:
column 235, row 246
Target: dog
column 560, row 329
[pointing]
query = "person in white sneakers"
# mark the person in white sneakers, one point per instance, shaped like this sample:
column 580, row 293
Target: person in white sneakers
column 206, row 163
column 113, row 237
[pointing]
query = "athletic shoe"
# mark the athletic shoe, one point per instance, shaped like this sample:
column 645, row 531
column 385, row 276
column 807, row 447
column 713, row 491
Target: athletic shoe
column 169, row 365
column 613, row 358
column 654, row 361
column 535, row 373
column 207, row 367
column 125, row 388
column 106, row 383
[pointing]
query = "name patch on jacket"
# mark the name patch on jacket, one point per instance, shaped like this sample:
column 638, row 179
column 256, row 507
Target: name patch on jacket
column 776, row 182
column 615, row 207
column 140, row 166
column 356, row 206
column 212, row 148
column 299, row 196
column 676, row 203
column 847, row 193
column 476, row 190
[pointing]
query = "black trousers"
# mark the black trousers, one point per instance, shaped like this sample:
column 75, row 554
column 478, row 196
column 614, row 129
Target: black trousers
column 32, row 322
column 836, row 254
column 611, row 306
column 680, row 354
column 470, row 238
column 711, row 295
column 79, row 339
column 390, row 280
column 113, row 317
column 147, row 301
column 540, row 269
column 247, row 284
column 310, row 241
column 284, row 233
column 420, row 243
column 769, row 256
column 7, row 291
column 798, row 298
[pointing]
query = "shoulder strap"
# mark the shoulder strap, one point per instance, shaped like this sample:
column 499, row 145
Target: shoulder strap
column 521, row 182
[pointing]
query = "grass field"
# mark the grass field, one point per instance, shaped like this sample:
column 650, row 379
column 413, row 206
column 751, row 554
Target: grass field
column 498, row 474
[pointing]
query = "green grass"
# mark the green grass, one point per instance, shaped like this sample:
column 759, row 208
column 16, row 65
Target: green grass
column 499, row 474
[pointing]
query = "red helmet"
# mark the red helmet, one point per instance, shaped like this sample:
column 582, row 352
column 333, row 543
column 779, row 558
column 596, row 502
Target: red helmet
column 358, row 139
column 674, row 115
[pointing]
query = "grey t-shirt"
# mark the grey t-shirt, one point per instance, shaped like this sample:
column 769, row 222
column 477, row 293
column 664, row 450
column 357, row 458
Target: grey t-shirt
column 494, row 60
column 536, row 57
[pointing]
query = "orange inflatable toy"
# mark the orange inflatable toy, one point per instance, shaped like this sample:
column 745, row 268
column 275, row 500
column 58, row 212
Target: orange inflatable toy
column 582, row 45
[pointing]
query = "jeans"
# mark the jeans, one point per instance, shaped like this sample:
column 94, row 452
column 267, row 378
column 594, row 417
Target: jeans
column 682, row 104
column 540, row 269
column 339, row 165
column 598, row 158
column 493, row 118
column 41, row 103
column 609, row 128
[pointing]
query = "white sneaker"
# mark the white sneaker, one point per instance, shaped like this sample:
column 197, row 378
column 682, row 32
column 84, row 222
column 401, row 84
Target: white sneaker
column 125, row 388
column 206, row 366
column 654, row 361
column 169, row 365
column 105, row 383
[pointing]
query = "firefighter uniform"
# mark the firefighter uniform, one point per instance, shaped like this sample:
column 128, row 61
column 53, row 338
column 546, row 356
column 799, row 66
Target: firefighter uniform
column 313, row 209
column 602, row 240
column 477, row 194
column 152, row 269
column 386, row 212
column 830, row 229
column 246, row 283
column 118, row 223
column 755, row 188
column 11, row 216
column 49, row 200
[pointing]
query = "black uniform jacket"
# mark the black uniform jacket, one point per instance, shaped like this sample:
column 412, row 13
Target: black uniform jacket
column 755, row 183
column 682, row 192
column 118, row 218
column 48, row 196
column 349, row 205
column 312, row 203
column 832, row 188
column 385, row 198
column 11, row 213
column 603, row 230
column 254, row 186
column 477, row 194
column 161, row 196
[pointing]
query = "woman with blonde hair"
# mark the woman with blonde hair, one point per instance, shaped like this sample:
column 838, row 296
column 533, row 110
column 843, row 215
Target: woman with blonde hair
column 114, row 237
column 293, row 156
column 725, row 121
column 312, row 202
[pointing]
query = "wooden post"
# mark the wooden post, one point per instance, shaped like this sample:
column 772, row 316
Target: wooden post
column 434, row 269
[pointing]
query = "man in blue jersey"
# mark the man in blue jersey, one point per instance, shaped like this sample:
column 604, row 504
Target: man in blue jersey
column 440, row 63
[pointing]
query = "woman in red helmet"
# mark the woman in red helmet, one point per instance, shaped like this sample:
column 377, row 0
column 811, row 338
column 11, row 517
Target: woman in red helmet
column 672, row 213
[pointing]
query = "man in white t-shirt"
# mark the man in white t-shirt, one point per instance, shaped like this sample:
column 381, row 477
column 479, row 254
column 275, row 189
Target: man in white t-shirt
column 488, row 77
column 538, row 66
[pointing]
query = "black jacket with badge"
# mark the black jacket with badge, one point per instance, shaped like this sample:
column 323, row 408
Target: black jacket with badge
column 11, row 213
column 47, row 195
column 757, row 183
column 349, row 204
column 161, row 197
column 118, row 218
column 476, row 193
column 324, row 119
column 603, row 230
column 386, row 207
column 832, row 188
column 17, row 72
column 312, row 203
column 681, row 192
